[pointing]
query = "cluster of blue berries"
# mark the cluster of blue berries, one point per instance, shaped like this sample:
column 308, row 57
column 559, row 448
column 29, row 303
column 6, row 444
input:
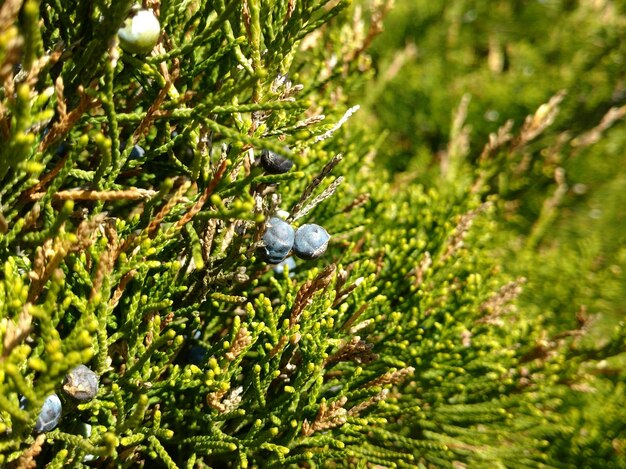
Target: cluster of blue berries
column 308, row 242
column 80, row 383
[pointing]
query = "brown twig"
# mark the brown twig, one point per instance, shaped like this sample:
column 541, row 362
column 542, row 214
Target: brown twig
column 119, row 291
column 49, row 256
column 391, row 377
column 329, row 416
column 169, row 78
column 593, row 136
column 241, row 341
column 356, row 350
column 542, row 119
column 217, row 177
column 357, row 409
column 32, row 193
column 455, row 241
column 156, row 221
column 354, row 317
column 360, row 200
column 87, row 194
column 304, row 297
column 63, row 126
column 499, row 303
column 107, row 260
column 15, row 332
column 27, row 459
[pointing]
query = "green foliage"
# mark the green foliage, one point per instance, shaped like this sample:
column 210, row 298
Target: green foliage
column 509, row 56
column 560, row 192
column 402, row 346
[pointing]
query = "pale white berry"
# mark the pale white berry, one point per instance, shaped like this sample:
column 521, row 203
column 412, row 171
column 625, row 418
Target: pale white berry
column 140, row 32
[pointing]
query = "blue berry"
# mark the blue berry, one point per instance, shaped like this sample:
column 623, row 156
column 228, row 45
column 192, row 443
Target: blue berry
column 278, row 240
column 310, row 241
column 290, row 263
column 197, row 354
column 274, row 163
column 62, row 149
column 50, row 414
column 81, row 383
column 137, row 152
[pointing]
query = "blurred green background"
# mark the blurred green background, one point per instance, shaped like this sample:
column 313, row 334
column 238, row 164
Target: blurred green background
column 567, row 239
column 510, row 57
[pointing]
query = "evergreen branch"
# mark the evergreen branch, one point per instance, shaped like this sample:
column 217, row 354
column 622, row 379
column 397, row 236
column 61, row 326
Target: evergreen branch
column 199, row 38
column 204, row 197
column 160, row 450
